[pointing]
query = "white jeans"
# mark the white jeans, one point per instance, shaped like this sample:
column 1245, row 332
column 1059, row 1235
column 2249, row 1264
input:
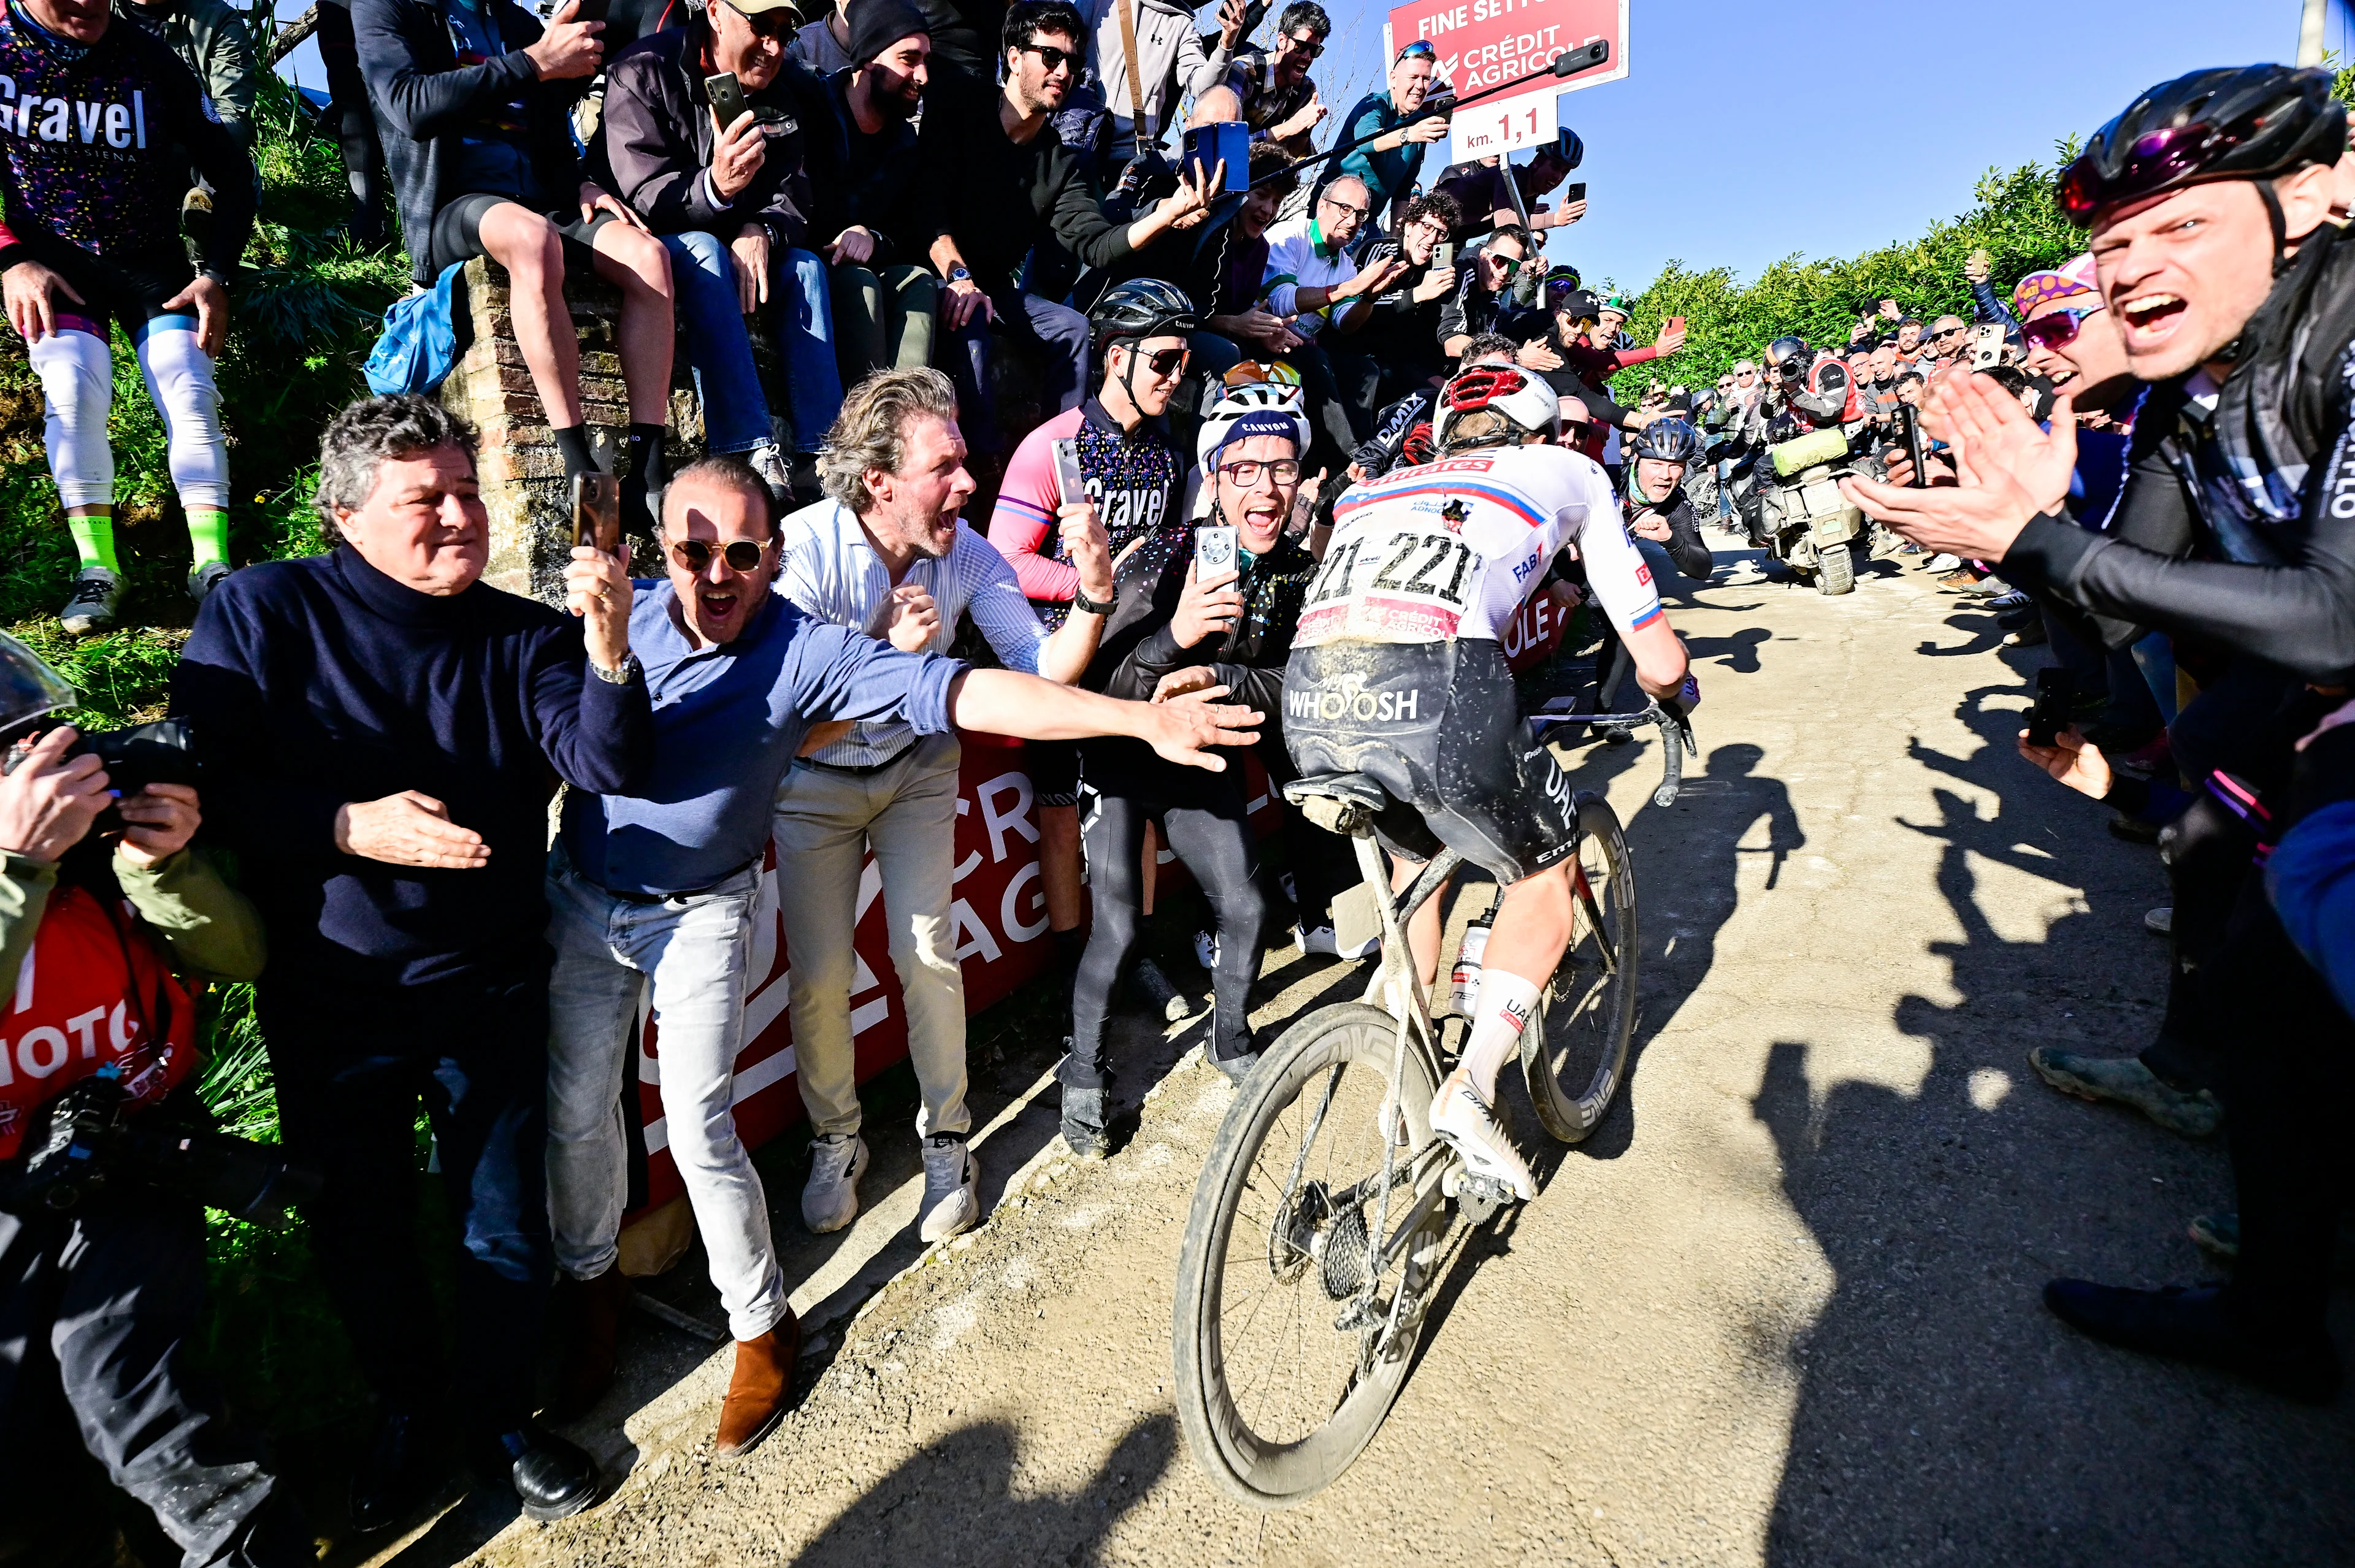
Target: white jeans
column 825, row 820
column 694, row 950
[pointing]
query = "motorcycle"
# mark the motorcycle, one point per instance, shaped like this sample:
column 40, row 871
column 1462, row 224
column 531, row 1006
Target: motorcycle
column 1795, row 512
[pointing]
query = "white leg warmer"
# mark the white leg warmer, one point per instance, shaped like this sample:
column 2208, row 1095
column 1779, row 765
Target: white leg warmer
column 77, row 385
column 180, row 378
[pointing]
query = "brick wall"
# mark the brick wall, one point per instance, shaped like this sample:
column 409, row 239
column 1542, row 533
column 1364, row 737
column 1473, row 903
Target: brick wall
column 524, row 486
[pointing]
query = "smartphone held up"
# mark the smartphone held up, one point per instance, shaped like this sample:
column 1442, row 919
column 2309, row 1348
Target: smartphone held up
column 597, row 512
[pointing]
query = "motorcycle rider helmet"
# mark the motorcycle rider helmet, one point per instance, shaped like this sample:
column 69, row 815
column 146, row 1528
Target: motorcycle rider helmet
column 2246, row 122
column 1667, row 440
column 1789, row 358
column 29, row 690
column 1493, row 405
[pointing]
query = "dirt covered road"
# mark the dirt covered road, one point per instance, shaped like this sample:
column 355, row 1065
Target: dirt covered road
column 1782, row 1306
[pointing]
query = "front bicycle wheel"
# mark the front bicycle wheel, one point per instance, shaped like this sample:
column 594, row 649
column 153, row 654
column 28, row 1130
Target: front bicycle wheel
column 1285, row 1364
column 1575, row 1047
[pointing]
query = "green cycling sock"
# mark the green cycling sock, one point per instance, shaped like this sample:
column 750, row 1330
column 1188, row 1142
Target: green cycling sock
column 209, row 537
column 94, row 538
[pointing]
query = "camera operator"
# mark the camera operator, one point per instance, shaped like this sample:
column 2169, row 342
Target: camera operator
column 98, row 1296
column 2209, row 201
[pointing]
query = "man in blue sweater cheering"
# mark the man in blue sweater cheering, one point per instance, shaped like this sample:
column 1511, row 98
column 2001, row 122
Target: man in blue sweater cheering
column 652, row 888
column 381, row 733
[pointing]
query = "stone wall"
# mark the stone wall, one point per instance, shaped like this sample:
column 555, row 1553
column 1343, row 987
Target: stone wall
column 524, row 486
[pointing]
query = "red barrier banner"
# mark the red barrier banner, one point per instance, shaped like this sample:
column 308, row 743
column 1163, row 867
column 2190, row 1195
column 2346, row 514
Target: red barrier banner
column 1000, row 924
column 1482, row 43
column 1534, row 631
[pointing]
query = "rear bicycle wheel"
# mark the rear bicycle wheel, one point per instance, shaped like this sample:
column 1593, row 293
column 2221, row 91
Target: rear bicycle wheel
column 1575, row 1047
column 1278, row 1389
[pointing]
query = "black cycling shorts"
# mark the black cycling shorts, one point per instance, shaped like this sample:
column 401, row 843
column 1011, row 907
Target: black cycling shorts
column 128, row 288
column 1054, row 769
column 458, row 233
column 1436, row 724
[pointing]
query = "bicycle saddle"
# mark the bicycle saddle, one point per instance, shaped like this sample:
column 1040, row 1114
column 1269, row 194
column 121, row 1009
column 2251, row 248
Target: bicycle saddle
column 1346, row 804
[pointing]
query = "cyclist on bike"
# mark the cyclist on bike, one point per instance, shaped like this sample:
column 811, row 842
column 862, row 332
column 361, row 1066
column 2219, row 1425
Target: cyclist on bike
column 1397, row 673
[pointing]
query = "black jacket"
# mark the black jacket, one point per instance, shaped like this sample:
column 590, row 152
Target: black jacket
column 423, row 101
column 2162, row 562
column 1685, row 545
column 654, row 139
column 883, row 199
column 995, row 199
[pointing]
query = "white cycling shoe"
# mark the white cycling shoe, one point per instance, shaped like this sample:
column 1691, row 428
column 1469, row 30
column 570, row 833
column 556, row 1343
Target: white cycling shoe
column 1464, row 1121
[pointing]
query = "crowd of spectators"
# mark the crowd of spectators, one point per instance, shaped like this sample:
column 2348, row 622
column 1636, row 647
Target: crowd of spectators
column 897, row 206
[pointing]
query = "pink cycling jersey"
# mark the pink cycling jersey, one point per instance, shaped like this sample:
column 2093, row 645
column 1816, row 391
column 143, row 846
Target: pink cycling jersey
column 1450, row 549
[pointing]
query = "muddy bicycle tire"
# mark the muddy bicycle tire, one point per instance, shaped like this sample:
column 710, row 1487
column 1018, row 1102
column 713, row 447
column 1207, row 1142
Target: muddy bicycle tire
column 1575, row 1047
column 1238, row 1239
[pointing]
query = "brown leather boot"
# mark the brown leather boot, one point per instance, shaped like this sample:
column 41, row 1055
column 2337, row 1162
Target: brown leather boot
column 756, row 1393
column 588, row 1314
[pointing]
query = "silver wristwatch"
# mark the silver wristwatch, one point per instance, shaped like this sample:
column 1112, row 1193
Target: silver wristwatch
column 622, row 676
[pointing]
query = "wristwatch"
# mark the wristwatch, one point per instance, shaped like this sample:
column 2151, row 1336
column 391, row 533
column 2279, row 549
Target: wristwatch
column 959, row 275
column 1079, row 601
column 622, row 676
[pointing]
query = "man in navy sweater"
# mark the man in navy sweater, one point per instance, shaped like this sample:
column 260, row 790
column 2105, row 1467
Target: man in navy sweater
column 382, row 731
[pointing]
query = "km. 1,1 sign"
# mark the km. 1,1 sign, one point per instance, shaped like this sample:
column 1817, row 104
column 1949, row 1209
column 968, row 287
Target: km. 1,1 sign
column 1482, row 43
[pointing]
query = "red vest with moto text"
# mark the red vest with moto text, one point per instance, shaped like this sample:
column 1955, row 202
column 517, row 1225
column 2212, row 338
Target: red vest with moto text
column 93, row 989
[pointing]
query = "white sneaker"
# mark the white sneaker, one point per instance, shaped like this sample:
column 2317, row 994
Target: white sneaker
column 830, row 1200
column 1942, row 562
column 1206, row 949
column 1323, row 939
column 1462, row 1119
column 952, row 1189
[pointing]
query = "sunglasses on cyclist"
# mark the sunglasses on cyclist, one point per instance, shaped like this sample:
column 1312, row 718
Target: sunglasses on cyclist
column 1244, row 472
column 1164, row 363
column 1054, row 59
column 2057, row 329
column 2156, row 162
column 695, row 555
column 1255, row 373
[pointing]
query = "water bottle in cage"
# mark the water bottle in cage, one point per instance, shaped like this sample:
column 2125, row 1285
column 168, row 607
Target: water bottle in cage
column 1464, row 980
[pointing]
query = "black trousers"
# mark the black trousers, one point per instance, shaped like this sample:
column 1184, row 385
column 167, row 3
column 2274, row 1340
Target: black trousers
column 2291, row 1087
column 352, row 1070
column 1203, row 822
column 95, row 1316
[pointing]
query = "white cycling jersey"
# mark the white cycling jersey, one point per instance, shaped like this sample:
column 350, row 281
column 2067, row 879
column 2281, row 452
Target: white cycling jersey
column 1450, row 549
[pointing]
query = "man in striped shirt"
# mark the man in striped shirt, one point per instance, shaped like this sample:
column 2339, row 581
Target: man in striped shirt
column 887, row 554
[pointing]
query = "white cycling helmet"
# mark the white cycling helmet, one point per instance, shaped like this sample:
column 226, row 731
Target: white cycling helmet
column 1522, row 404
column 1275, row 399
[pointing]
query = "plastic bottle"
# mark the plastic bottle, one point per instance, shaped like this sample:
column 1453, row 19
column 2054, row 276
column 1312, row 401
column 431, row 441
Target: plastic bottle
column 1464, row 980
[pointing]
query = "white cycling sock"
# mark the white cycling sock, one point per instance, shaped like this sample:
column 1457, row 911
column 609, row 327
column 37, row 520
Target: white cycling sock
column 180, row 378
column 1506, row 1003
column 77, row 385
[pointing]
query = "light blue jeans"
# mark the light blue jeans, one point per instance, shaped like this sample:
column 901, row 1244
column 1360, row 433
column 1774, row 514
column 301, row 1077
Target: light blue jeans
column 719, row 346
column 694, row 949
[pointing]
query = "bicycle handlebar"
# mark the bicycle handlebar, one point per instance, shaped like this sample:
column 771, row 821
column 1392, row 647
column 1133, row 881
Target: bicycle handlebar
column 1676, row 733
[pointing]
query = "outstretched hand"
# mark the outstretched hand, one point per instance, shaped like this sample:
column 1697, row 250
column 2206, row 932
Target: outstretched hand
column 1185, row 729
column 2074, row 759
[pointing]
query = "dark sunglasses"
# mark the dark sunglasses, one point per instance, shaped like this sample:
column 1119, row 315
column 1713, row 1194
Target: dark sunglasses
column 1422, row 49
column 1053, row 59
column 776, row 24
column 2059, row 329
column 1309, row 47
column 2156, row 161
column 1164, row 362
column 1949, row 332
column 695, row 555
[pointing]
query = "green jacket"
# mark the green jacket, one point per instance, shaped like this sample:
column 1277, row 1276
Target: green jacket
column 209, row 927
column 211, row 37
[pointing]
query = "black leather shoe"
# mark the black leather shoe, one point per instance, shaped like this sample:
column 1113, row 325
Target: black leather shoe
column 398, row 1471
column 2189, row 1324
column 553, row 1478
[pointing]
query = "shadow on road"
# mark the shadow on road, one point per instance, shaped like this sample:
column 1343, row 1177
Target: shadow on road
column 961, row 1501
column 1943, row 1415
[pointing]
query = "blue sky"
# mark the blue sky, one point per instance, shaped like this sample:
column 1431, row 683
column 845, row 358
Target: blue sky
column 1843, row 165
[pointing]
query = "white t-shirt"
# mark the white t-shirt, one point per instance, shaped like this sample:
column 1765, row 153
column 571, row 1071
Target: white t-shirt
column 1450, row 549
